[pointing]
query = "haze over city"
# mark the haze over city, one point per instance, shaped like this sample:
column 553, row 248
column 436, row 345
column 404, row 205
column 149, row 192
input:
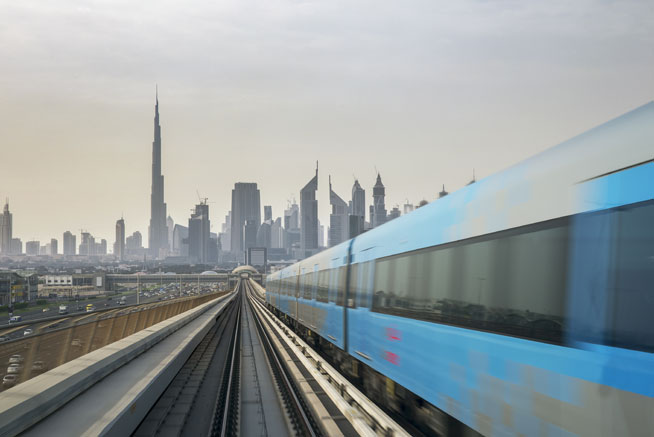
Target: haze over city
column 421, row 93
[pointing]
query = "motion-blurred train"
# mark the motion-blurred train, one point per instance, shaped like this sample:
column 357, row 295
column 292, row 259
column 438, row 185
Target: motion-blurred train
column 522, row 304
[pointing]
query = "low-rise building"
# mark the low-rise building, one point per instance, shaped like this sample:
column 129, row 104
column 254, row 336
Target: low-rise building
column 17, row 288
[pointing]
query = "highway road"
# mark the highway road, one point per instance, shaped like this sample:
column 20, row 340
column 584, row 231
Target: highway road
column 39, row 321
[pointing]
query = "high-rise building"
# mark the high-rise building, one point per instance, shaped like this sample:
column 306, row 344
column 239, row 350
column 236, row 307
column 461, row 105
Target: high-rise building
column 292, row 227
column 246, row 206
column 180, row 240
column 101, row 248
column 407, row 208
column 357, row 210
column 267, row 213
column 87, row 245
column 134, row 244
column 158, row 232
column 226, row 233
column 378, row 218
column 16, row 246
column 292, row 217
column 119, row 244
column 264, row 234
column 6, row 229
column 393, row 214
column 54, row 247
column 170, row 226
column 32, row 248
column 250, row 234
column 309, row 217
column 199, row 234
column 277, row 234
column 69, row 243
column 338, row 220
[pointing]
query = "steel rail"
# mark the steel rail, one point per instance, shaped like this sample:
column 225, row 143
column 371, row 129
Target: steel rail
column 294, row 400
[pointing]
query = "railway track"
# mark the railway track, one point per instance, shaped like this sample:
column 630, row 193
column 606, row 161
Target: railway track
column 245, row 378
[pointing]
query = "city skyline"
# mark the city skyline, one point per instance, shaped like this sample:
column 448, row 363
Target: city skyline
column 285, row 91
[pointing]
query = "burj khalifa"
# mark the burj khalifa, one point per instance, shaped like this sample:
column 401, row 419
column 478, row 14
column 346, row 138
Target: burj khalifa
column 158, row 231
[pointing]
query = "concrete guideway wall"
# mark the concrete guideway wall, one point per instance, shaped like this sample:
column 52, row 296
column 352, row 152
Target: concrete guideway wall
column 56, row 347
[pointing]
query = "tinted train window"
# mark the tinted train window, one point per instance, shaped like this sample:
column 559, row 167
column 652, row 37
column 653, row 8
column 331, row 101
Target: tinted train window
column 307, row 285
column 631, row 307
column 322, row 291
column 363, row 287
column 352, row 287
column 511, row 282
column 341, row 281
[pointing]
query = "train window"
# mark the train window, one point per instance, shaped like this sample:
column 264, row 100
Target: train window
column 512, row 282
column 341, row 278
column 308, row 285
column 632, row 303
column 352, row 287
column 363, row 289
column 322, row 290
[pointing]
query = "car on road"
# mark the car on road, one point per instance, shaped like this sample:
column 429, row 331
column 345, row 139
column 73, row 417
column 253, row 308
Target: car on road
column 9, row 381
column 16, row 358
column 15, row 319
column 39, row 367
column 28, row 331
column 45, row 310
column 14, row 368
column 90, row 308
column 3, row 338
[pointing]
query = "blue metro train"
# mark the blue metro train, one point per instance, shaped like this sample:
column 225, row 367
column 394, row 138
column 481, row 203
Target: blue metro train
column 522, row 304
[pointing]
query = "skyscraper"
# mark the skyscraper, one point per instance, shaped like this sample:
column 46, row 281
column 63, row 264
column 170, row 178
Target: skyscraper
column 358, row 210
column 16, row 246
column 134, row 244
column 267, row 213
column 292, row 227
column 379, row 208
column 170, row 225
column 226, row 233
column 32, row 248
column 87, row 245
column 6, row 226
column 309, row 217
column 54, row 246
column 338, row 220
column 199, row 234
column 69, row 243
column 246, row 206
column 119, row 245
column 158, row 232
column 101, row 248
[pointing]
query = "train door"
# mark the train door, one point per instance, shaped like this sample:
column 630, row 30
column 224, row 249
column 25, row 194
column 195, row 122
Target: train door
column 294, row 282
column 312, row 301
column 301, row 293
column 359, row 311
column 334, row 320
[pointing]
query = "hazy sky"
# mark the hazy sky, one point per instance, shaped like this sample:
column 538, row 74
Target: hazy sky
column 257, row 91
